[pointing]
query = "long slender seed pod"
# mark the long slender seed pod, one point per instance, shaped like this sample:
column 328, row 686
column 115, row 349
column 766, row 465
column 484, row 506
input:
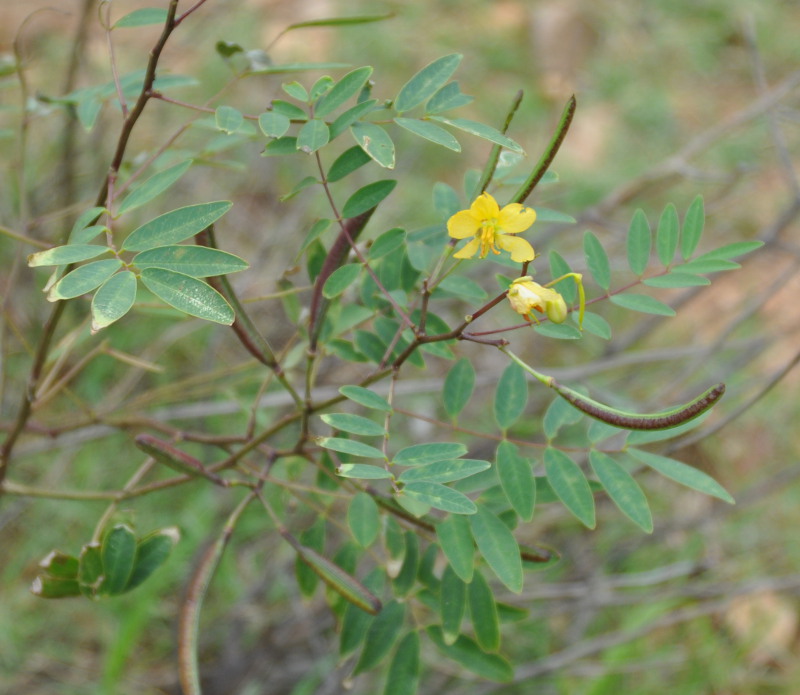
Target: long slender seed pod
column 177, row 460
column 189, row 622
column 351, row 228
column 335, row 577
column 664, row 420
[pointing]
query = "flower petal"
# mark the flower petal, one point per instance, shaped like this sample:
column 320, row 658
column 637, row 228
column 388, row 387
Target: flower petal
column 520, row 249
column 515, row 218
column 463, row 225
column 485, row 207
column 469, row 250
column 523, row 300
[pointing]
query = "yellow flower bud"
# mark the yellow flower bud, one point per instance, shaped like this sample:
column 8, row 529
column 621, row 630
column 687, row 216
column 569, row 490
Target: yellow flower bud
column 526, row 295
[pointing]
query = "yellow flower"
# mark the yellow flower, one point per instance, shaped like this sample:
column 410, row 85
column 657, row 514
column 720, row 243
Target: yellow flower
column 526, row 295
column 493, row 228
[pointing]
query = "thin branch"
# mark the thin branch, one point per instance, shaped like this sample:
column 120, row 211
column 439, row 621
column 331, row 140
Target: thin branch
column 53, row 320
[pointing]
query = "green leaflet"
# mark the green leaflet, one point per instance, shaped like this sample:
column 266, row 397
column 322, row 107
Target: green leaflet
column 228, row 119
column 86, row 218
column 175, row 226
column 141, row 18
column 440, row 497
column 295, row 90
column 458, row 387
column 387, row 243
column 152, row 551
column 429, row 131
column 153, row 187
column 426, row 82
column 516, row 479
column 467, row 653
column 196, row 261
column 683, row 474
column 444, row 471
column 406, row 577
column 340, row 279
column 354, row 424
column 363, row 519
column 363, row 471
column 349, row 446
column 382, row 635
column 570, row 484
column 404, row 671
column 83, row 279
column 356, row 621
column 455, row 538
column 365, row 397
column 47, row 586
column 118, row 552
column 511, row 396
column 558, row 267
column 188, row 294
column 351, row 115
column 347, row 162
column 368, row 197
column 640, row 242
column 483, row 609
column 113, row 300
column 692, row 229
column 273, row 124
column 313, row 537
column 452, row 604
column 312, row 136
column 346, row 88
column 622, row 489
column 597, row 260
column 499, row 548
column 375, row 141
column 642, row 303
column 447, row 98
column 480, row 130
column 667, row 235
column 419, row 454
column 64, row 255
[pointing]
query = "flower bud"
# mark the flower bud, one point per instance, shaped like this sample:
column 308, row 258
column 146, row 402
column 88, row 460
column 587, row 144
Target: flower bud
column 525, row 295
column 556, row 308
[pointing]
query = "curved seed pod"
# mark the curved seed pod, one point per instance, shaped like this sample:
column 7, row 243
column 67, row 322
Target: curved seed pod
column 634, row 421
column 176, row 459
column 351, row 228
column 189, row 619
column 335, row 577
column 664, row 420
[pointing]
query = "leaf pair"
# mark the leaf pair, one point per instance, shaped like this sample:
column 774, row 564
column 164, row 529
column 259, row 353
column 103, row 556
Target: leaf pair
column 167, row 268
column 118, row 564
